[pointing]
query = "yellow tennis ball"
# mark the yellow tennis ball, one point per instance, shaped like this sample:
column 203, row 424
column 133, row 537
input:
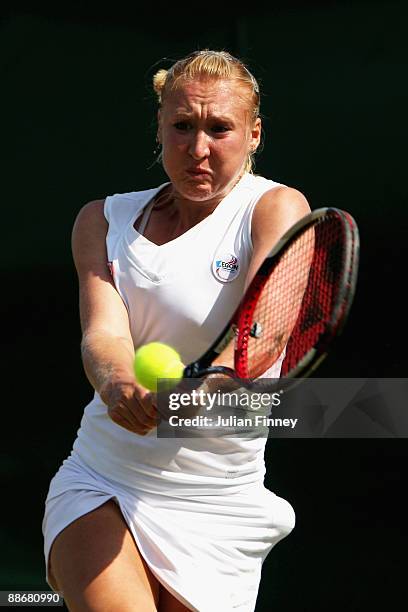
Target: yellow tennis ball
column 154, row 361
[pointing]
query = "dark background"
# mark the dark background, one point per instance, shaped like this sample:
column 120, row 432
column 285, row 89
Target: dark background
column 79, row 123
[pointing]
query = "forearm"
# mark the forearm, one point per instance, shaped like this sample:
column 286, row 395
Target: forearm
column 106, row 358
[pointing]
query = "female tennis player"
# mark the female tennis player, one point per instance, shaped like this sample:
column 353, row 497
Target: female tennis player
column 134, row 521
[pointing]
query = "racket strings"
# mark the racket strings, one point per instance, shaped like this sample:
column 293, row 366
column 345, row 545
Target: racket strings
column 295, row 305
column 278, row 305
column 321, row 294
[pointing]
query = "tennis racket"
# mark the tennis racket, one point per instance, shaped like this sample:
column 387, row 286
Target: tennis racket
column 298, row 302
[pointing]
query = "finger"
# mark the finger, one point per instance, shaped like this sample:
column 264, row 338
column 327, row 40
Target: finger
column 152, row 397
column 144, row 414
column 135, row 412
column 123, row 417
column 148, row 404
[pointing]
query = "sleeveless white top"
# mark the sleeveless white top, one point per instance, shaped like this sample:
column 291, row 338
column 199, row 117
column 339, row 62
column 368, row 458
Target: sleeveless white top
column 181, row 293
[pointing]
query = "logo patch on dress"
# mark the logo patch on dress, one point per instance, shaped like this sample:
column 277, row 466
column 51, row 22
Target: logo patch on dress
column 225, row 267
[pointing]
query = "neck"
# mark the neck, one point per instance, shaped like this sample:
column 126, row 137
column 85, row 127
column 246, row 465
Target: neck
column 187, row 212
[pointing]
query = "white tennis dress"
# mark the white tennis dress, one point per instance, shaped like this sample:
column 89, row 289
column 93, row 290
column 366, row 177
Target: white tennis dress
column 197, row 507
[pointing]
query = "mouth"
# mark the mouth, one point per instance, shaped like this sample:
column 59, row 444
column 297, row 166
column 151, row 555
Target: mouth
column 198, row 172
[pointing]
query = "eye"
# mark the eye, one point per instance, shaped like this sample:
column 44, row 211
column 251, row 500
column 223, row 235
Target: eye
column 220, row 128
column 183, row 126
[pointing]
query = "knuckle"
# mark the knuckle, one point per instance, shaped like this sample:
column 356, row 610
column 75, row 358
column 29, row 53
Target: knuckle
column 115, row 411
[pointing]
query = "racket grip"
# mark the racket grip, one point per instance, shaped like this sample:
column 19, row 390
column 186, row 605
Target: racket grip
column 195, row 371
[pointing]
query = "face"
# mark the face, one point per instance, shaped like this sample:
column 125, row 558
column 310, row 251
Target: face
column 206, row 132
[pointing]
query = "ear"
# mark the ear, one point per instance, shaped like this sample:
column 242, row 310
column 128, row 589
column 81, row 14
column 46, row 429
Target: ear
column 255, row 136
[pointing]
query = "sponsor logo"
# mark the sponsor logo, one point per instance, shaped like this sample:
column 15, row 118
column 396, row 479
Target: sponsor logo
column 225, row 267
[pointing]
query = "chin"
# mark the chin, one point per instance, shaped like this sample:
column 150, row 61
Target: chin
column 197, row 191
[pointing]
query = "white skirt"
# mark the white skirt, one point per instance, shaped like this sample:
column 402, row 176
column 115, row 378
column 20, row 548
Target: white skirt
column 207, row 550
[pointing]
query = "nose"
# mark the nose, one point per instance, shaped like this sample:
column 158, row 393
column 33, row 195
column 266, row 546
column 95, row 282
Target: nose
column 199, row 146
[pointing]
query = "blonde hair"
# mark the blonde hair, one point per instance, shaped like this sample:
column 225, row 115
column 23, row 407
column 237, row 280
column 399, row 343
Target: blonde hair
column 210, row 64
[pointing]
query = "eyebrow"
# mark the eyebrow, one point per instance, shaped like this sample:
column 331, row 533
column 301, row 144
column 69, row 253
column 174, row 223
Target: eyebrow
column 211, row 116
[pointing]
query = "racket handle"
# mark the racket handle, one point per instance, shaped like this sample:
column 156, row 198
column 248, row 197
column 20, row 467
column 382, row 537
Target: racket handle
column 195, row 371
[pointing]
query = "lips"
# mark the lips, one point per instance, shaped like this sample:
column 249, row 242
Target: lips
column 198, row 171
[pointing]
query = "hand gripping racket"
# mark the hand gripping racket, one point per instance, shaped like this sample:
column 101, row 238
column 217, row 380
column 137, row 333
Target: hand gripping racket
column 298, row 302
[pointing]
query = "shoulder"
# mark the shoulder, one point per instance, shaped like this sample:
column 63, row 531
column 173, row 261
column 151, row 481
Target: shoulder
column 282, row 201
column 91, row 211
column 89, row 230
column 277, row 210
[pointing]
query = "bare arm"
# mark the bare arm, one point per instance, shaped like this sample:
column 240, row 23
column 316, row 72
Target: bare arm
column 275, row 213
column 107, row 346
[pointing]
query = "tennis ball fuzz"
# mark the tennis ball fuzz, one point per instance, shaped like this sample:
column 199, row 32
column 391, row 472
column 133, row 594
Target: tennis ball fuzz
column 154, row 361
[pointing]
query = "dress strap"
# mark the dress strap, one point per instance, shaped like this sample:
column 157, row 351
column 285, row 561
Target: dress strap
column 146, row 215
